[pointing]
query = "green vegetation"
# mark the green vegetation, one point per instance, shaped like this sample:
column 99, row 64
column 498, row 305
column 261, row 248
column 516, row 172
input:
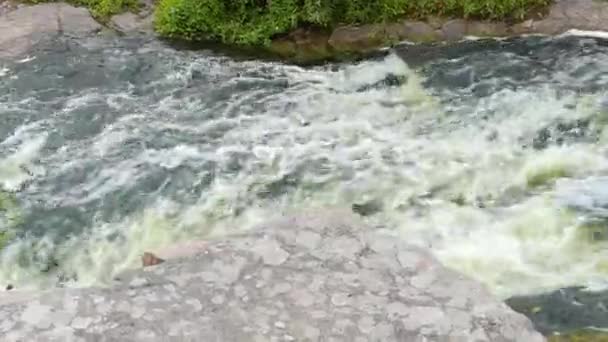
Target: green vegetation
column 102, row 10
column 255, row 22
column 545, row 176
column 10, row 216
column 580, row 336
column 107, row 8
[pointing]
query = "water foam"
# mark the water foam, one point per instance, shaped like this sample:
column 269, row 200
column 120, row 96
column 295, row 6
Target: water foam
column 451, row 171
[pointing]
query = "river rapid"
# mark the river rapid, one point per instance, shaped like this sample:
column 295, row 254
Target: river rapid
column 491, row 153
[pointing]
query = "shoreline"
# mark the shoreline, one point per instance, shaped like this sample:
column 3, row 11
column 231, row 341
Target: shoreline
column 303, row 46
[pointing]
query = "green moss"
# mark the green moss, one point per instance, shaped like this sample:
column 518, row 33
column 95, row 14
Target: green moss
column 5, row 237
column 102, row 10
column 255, row 22
column 10, row 217
column 580, row 336
column 546, row 176
column 9, row 209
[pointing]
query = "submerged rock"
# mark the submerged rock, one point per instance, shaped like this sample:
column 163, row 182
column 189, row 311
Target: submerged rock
column 367, row 208
column 315, row 276
column 564, row 310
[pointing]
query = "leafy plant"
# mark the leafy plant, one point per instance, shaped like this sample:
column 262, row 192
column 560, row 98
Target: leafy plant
column 255, row 22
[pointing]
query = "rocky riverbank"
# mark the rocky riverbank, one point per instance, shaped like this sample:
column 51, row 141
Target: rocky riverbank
column 562, row 16
column 305, row 45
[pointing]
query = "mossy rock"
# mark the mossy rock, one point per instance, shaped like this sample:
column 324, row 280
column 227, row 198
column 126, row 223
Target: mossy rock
column 546, row 176
column 580, row 336
column 10, row 217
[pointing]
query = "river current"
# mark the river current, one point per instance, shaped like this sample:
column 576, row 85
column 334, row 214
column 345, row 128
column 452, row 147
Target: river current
column 491, row 153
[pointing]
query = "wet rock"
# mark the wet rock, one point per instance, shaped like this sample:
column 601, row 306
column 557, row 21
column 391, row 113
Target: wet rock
column 391, row 80
column 454, row 29
column 551, row 26
column 149, row 259
column 562, row 132
column 357, row 38
column 132, row 23
column 487, row 29
column 283, row 47
column 303, row 46
column 312, row 276
column 182, row 249
column 524, row 27
column 582, row 14
column 24, row 27
column 367, row 208
column 413, row 31
column 435, row 22
column 349, row 41
column 564, row 310
column 75, row 21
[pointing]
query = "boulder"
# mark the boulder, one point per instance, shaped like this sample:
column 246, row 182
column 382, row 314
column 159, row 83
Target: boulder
column 357, row 38
column 455, row 29
column 413, row 31
column 132, row 23
column 318, row 275
column 487, row 29
column 25, row 26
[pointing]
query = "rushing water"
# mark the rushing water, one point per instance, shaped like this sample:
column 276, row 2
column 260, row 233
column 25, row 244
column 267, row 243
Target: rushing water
column 493, row 154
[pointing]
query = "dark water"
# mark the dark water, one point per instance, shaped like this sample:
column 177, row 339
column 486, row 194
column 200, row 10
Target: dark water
column 491, row 153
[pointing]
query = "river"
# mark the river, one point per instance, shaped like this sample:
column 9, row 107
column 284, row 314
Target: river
column 491, row 153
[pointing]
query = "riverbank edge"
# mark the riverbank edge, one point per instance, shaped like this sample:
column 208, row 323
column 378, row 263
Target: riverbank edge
column 313, row 46
column 344, row 43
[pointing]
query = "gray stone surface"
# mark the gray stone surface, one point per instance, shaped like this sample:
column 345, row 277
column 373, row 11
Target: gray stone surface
column 486, row 29
column 356, row 38
column 568, row 14
column 415, row 31
column 7, row 6
column 22, row 28
column 317, row 276
column 454, row 29
column 132, row 23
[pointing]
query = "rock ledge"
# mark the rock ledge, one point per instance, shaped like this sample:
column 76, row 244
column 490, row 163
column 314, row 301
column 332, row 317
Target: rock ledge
column 320, row 275
column 24, row 27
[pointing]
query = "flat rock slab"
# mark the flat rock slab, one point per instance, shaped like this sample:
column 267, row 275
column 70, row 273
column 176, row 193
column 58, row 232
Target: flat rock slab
column 316, row 276
column 22, row 28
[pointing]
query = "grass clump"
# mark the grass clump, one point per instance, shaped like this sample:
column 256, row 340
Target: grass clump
column 255, row 22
